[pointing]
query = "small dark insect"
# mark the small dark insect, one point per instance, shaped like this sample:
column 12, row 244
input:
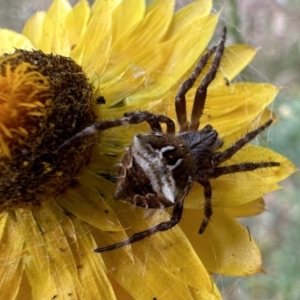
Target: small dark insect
column 159, row 168
column 100, row 100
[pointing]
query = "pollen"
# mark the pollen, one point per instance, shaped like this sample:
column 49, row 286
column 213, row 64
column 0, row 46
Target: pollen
column 21, row 91
column 44, row 99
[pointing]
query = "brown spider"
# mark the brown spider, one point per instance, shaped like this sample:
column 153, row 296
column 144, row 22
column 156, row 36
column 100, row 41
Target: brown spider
column 159, row 168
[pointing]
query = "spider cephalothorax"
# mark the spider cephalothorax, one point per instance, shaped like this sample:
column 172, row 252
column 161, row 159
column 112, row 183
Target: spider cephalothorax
column 159, row 169
column 155, row 171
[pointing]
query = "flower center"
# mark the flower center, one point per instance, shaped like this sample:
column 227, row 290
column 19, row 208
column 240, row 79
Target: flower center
column 44, row 100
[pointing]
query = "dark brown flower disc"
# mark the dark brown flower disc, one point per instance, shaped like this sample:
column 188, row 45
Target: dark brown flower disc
column 44, row 100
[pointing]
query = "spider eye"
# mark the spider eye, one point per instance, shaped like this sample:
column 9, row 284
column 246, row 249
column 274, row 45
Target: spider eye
column 170, row 156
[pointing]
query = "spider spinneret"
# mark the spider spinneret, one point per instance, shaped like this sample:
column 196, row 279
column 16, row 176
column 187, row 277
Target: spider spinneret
column 159, row 169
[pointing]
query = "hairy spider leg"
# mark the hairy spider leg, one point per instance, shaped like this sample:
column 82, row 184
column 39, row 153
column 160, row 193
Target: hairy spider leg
column 174, row 220
column 229, row 152
column 180, row 100
column 242, row 167
column 207, row 203
column 160, row 118
column 216, row 172
column 201, row 91
column 129, row 118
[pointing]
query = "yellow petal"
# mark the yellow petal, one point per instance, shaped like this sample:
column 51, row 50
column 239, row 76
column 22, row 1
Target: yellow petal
column 144, row 280
column 225, row 247
column 199, row 294
column 262, row 118
column 174, row 245
column 94, row 62
column 135, row 48
column 37, row 269
column 257, row 154
column 235, row 59
column 159, row 14
column 227, row 191
column 242, row 101
column 98, row 5
column 166, row 251
column 11, row 255
column 88, row 205
column 158, row 264
column 123, row 85
column 252, row 208
column 90, row 266
column 189, row 14
column 108, row 154
column 180, row 52
column 33, row 28
column 130, row 10
column 54, row 38
column 13, row 40
column 55, row 241
column 76, row 22
column 55, row 227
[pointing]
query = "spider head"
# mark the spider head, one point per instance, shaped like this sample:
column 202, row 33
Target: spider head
column 157, row 170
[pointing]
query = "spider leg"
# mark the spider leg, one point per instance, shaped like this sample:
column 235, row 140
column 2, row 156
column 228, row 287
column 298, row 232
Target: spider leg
column 201, row 91
column 180, row 101
column 129, row 118
column 170, row 123
column 153, row 120
column 175, row 218
column 142, row 116
column 207, row 204
column 229, row 152
column 242, row 167
column 204, row 175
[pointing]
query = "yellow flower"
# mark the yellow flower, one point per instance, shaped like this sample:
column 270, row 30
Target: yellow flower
column 135, row 56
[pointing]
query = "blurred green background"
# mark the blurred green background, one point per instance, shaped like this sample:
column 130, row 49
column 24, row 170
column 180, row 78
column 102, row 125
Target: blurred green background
column 273, row 27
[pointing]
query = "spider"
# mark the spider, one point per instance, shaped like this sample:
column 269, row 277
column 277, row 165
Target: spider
column 159, row 169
